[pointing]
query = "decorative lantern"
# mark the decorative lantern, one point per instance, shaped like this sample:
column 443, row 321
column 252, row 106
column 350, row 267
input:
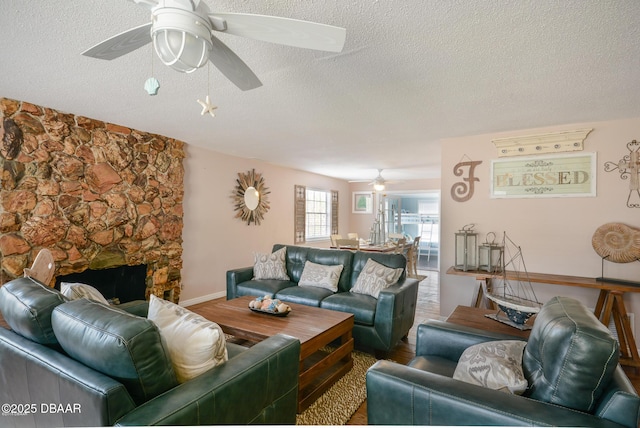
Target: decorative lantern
column 490, row 255
column 466, row 248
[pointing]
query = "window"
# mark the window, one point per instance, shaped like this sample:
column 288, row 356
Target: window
column 316, row 219
column 318, row 214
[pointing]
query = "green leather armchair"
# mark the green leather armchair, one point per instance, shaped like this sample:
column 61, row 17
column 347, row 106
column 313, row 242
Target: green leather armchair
column 570, row 362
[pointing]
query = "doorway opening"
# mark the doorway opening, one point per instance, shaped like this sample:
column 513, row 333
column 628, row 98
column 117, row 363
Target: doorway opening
column 416, row 214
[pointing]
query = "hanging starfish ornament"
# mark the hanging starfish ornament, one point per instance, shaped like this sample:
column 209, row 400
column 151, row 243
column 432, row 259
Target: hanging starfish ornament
column 207, row 107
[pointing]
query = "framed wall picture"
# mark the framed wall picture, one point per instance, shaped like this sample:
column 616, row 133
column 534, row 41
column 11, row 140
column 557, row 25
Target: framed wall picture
column 362, row 203
column 571, row 175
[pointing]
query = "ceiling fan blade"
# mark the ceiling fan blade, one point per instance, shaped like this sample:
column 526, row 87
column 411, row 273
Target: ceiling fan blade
column 149, row 4
column 284, row 31
column 121, row 44
column 232, row 66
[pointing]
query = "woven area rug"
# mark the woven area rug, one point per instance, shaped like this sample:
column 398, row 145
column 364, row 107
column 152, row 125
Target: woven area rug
column 342, row 400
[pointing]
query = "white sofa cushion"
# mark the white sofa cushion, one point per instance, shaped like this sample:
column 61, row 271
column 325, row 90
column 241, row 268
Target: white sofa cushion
column 317, row 275
column 496, row 365
column 375, row 277
column 271, row 266
column 78, row 290
column 195, row 344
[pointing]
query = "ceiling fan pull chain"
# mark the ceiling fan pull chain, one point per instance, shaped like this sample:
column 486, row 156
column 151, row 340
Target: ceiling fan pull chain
column 152, row 85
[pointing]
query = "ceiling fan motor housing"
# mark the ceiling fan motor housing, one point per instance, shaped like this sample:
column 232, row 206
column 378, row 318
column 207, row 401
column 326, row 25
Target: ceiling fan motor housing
column 182, row 39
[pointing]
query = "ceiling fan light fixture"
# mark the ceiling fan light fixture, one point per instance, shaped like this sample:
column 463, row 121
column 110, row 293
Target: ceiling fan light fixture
column 182, row 39
column 378, row 182
column 378, row 186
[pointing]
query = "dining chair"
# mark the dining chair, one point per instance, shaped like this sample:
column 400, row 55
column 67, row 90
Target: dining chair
column 352, row 235
column 334, row 239
column 43, row 267
column 412, row 257
column 400, row 244
column 351, row 244
column 395, row 236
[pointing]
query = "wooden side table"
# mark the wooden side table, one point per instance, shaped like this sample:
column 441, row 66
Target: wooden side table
column 475, row 317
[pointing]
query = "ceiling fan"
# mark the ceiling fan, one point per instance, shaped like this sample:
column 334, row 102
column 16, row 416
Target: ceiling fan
column 378, row 183
column 182, row 32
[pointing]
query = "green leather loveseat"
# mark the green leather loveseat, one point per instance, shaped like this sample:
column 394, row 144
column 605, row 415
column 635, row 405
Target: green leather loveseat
column 378, row 323
column 570, row 363
column 43, row 382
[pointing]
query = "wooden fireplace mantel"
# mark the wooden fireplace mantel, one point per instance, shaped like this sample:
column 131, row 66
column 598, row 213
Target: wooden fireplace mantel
column 610, row 302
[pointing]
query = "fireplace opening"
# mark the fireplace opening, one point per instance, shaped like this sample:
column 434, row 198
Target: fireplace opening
column 120, row 284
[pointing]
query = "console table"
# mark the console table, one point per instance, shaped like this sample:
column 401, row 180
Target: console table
column 610, row 303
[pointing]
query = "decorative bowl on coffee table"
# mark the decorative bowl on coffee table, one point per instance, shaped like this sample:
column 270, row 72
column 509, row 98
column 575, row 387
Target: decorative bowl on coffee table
column 270, row 306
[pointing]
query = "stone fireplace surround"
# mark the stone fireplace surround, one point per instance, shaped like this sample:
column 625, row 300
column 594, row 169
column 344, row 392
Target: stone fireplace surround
column 98, row 195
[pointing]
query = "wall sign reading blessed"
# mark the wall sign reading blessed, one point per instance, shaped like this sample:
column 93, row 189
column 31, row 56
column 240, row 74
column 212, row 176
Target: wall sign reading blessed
column 547, row 176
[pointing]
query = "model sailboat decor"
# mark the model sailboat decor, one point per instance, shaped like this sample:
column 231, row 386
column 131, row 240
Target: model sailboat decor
column 510, row 288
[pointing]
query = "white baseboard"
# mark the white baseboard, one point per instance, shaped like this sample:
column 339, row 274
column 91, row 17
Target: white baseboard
column 202, row 298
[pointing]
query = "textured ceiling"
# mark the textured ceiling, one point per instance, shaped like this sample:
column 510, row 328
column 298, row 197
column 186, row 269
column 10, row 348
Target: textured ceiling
column 412, row 72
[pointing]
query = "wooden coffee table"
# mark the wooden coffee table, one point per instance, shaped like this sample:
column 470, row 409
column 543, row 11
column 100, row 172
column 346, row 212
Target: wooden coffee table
column 314, row 327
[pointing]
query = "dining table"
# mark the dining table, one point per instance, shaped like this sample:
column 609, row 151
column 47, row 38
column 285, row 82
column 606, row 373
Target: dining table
column 388, row 247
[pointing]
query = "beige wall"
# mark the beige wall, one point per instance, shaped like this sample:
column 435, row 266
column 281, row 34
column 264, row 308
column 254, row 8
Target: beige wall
column 554, row 233
column 214, row 241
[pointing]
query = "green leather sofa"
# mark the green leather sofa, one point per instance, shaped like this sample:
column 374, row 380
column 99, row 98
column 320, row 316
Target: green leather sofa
column 51, row 373
column 570, row 362
column 378, row 323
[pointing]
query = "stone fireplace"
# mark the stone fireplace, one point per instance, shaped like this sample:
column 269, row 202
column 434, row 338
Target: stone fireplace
column 97, row 195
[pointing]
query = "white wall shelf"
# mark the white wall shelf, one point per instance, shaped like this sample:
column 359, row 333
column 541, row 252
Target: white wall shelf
column 555, row 142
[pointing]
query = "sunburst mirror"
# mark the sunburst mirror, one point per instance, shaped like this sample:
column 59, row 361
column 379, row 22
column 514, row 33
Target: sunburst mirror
column 250, row 197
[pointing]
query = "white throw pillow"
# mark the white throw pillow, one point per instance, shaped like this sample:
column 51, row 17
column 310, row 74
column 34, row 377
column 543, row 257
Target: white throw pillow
column 195, row 344
column 78, row 290
column 375, row 277
column 496, row 365
column 324, row 276
column 271, row 266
